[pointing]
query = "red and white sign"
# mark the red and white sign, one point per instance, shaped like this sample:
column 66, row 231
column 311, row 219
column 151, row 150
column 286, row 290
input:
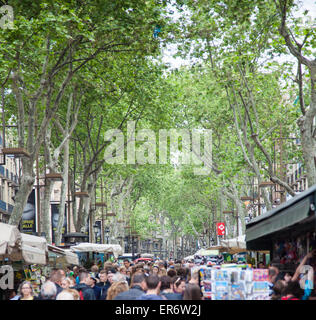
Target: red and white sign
column 220, row 226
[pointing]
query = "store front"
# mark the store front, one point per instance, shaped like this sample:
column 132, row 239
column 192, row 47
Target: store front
column 287, row 231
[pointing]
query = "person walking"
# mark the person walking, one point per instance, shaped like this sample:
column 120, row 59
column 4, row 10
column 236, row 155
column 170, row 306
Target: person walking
column 126, row 263
column 155, row 269
column 95, row 272
column 48, row 291
column 178, row 284
column 153, row 288
column 192, row 292
column 292, row 291
column 26, row 292
column 66, row 283
column 116, row 288
column 85, row 291
column 104, row 284
column 166, row 289
column 57, row 277
column 92, row 281
column 278, row 288
column 138, row 288
column 65, row 295
column 272, row 278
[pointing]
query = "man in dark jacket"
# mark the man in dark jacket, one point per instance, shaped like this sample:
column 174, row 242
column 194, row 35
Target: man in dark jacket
column 57, row 277
column 92, row 283
column 104, row 284
column 138, row 288
column 153, row 287
column 84, row 288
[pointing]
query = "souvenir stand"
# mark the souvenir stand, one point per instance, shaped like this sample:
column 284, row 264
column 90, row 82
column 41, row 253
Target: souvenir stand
column 85, row 249
column 237, row 249
column 234, row 282
column 26, row 254
column 61, row 258
column 287, row 231
column 33, row 257
column 10, row 239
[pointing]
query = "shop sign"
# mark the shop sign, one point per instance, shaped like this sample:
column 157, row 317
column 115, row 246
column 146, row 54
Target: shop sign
column 220, row 226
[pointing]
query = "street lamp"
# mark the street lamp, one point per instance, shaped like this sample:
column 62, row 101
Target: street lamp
column 106, row 234
column 95, row 230
column 126, row 247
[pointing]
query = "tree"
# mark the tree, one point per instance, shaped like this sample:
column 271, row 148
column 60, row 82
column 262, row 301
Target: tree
column 300, row 42
column 51, row 43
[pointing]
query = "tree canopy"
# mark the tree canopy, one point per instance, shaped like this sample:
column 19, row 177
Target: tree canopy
column 74, row 73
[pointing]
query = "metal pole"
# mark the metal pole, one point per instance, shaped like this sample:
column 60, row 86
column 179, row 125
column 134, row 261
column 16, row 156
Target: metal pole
column 38, row 204
column 132, row 247
column 102, row 211
column 236, row 220
column 68, row 203
column 259, row 206
column 90, row 225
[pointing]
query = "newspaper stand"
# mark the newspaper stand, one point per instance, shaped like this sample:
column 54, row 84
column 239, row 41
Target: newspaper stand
column 234, row 282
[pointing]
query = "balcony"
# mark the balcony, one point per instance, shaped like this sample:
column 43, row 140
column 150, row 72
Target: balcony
column 7, row 175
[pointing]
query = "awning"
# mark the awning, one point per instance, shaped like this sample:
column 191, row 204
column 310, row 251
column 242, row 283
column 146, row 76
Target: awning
column 71, row 258
column 29, row 255
column 34, row 241
column 64, row 257
column 33, row 255
column 3, row 247
column 20, row 246
column 10, row 238
column 116, row 249
column 287, row 215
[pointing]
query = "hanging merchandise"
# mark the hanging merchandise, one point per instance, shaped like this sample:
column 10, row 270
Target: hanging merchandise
column 205, row 277
column 234, row 283
column 34, row 274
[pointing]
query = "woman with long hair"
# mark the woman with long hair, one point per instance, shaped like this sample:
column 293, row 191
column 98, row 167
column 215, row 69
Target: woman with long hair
column 116, row 288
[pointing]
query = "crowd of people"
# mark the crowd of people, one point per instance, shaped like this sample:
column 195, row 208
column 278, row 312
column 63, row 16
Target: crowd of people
column 160, row 280
column 142, row 281
column 287, row 285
